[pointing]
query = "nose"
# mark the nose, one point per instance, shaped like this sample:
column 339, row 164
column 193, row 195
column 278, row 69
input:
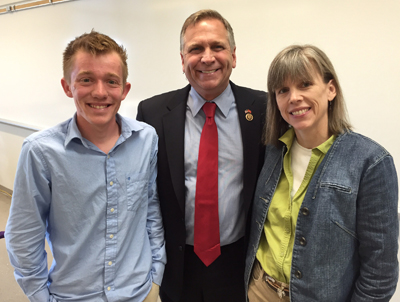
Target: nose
column 208, row 56
column 99, row 90
column 294, row 95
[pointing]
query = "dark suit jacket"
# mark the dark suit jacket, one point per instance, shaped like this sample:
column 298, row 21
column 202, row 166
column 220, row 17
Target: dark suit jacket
column 166, row 113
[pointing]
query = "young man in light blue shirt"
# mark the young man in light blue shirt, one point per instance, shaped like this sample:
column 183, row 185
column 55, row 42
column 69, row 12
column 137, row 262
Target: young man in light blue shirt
column 89, row 186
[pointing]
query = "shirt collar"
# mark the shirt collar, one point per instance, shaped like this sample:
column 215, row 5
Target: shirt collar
column 289, row 135
column 223, row 101
column 287, row 138
column 73, row 132
column 126, row 130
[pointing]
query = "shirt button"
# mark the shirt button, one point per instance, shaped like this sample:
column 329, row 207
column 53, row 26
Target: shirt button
column 109, row 263
column 112, row 210
column 298, row 275
column 305, row 211
column 111, row 183
column 111, row 236
column 303, row 241
column 108, row 288
column 108, row 155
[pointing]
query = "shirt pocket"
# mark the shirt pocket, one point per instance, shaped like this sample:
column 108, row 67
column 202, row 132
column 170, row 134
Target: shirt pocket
column 337, row 187
column 342, row 200
column 136, row 190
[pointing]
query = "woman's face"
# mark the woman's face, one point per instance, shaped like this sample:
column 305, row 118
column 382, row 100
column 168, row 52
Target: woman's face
column 304, row 105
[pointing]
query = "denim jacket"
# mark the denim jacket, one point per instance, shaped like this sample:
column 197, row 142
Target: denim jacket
column 346, row 238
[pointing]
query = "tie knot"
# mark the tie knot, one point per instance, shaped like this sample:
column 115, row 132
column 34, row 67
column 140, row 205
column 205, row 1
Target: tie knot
column 209, row 109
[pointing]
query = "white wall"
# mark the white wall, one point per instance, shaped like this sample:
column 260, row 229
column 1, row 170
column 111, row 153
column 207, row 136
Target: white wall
column 11, row 139
column 361, row 38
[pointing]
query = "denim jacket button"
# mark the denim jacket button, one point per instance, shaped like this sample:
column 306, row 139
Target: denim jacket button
column 298, row 275
column 303, row 241
column 305, row 211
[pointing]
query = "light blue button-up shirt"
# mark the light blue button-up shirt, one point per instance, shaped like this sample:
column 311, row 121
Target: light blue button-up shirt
column 100, row 213
column 230, row 164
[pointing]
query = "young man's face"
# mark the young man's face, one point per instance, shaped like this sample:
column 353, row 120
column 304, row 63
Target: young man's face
column 96, row 85
column 207, row 59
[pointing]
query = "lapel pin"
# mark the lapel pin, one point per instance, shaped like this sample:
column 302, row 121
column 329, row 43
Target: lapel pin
column 249, row 116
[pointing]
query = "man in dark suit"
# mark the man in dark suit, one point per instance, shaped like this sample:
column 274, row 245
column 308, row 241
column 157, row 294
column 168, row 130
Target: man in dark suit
column 208, row 55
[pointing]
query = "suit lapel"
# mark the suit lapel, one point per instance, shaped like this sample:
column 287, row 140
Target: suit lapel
column 174, row 133
column 251, row 133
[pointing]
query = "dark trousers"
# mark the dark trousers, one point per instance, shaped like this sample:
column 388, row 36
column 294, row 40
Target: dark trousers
column 222, row 280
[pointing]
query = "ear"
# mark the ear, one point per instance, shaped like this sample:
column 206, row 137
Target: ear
column 66, row 87
column 331, row 90
column 183, row 62
column 125, row 91
column 234, row 57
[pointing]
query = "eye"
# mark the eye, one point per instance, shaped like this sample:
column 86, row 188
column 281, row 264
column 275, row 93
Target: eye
column 84, row 81
column 306, row 84
column 194, row 50
column 281, row 90
column 218, row 47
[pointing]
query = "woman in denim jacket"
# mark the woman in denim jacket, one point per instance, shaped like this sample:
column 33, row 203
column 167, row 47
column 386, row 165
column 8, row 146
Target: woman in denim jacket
column 325, row 225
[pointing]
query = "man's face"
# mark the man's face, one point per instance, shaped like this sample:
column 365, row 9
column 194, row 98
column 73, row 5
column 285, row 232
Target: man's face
column 207, row 59
column 96, row 85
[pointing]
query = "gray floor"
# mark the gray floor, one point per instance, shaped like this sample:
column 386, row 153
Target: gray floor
column 9, row 289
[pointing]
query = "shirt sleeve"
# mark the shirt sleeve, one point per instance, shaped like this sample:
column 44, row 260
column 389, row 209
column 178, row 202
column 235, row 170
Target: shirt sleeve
column 377, row 231
column 26, row 225
column 154, row 223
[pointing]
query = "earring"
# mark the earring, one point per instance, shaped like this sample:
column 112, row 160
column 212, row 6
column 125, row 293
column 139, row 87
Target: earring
column 330, row 105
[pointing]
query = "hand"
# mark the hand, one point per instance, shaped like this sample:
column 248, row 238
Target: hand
column 153, row 294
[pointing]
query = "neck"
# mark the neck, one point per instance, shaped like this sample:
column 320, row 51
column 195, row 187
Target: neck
column 103, row 137
column 212, row 95
column 311, row 139
column 209, row 97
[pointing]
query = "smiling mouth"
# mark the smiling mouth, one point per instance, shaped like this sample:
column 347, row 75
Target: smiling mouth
column 299, row 112
column 99, row 107
column 208, row 71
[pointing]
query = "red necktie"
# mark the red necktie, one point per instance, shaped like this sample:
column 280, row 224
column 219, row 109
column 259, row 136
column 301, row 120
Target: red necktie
column 206, row 222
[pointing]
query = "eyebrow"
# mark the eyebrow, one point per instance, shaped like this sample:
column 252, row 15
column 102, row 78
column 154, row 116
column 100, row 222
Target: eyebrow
column 194, row 45
column 213, row 43
column 84, row 72
column 109, row 74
